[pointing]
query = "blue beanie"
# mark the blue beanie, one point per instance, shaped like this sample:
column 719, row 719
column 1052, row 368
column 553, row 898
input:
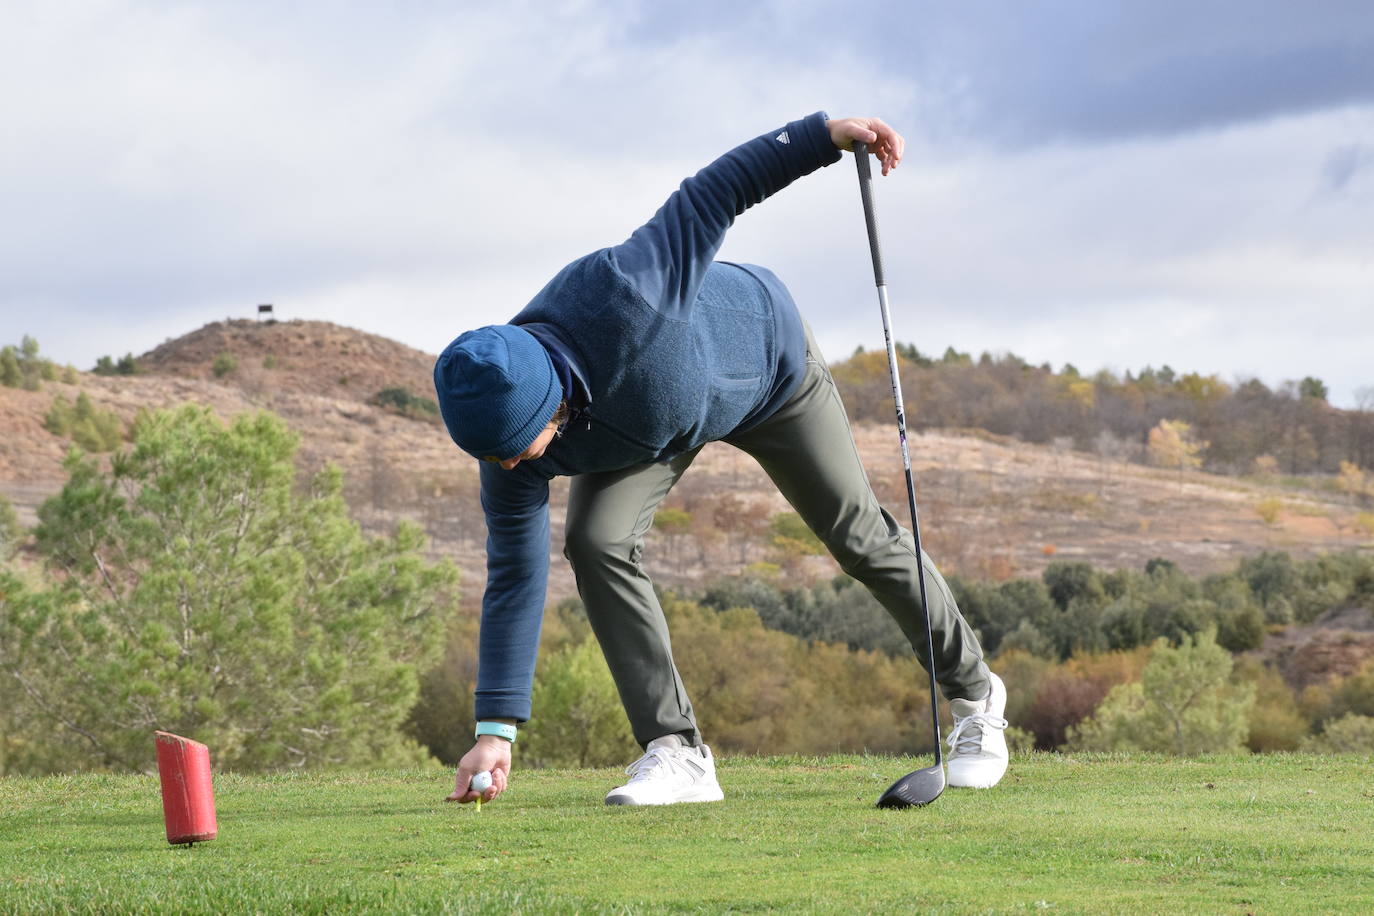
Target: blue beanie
column 497, row 390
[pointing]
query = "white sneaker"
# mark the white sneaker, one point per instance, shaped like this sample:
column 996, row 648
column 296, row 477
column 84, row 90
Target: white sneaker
column 668, row 773
column 978, row 747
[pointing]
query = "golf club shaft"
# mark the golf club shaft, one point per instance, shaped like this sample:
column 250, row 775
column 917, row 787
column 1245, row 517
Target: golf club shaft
column 866, row 192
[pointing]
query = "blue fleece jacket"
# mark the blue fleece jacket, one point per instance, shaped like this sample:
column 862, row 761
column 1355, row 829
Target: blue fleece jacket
column 670, row 349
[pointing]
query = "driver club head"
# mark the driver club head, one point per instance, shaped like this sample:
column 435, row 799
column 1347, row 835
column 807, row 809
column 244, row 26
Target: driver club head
column 915, row 790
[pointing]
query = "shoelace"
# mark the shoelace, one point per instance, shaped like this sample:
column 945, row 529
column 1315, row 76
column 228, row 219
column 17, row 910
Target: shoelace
column 967, row 737
column 664, row 757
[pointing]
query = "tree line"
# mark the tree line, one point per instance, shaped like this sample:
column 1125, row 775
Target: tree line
column 1074, row 607
column 1293, row 426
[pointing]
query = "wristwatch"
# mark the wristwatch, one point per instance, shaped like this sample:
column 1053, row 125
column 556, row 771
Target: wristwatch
column 499, row 729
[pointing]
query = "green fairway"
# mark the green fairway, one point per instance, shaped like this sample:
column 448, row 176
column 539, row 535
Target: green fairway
column 1263, row 834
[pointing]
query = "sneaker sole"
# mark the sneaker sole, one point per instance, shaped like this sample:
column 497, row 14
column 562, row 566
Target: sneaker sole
column 983, row 782
column 705, row 795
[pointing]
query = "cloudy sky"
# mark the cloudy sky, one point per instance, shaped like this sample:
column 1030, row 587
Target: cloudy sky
column 1108, row 184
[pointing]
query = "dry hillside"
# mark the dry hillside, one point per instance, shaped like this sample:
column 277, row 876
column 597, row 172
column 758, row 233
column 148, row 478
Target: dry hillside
column 990, row 507
column 305, row 357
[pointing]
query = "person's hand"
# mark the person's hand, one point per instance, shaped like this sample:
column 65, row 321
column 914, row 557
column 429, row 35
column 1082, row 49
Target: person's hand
column 491, row 754
column 882, row 140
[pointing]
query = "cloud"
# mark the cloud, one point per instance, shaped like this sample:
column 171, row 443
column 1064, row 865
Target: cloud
column 1103, row 184
column 1343, row 163
column 1062, row 70
column 1021, row 74
column 216, row 153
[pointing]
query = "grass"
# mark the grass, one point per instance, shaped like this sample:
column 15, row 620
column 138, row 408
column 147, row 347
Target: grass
column 1262, row 834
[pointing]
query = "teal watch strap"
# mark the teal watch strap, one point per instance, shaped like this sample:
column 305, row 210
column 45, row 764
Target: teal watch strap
column 499, row 729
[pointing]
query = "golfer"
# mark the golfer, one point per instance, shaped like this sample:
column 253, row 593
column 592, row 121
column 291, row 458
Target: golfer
column 616, row 374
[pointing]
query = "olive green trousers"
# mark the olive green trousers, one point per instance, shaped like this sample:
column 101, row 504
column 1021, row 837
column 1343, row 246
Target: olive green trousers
column 808, row 451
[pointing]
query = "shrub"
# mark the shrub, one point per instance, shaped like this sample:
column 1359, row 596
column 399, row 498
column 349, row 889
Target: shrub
column 1271, row 577
column 1016, row 606
column 1183, row 705
column 224, row 364
column 60, row 416
column 1332, row 581
column 793, row 540
column 91, row 429
column 1069, row 693
column 1023, row 673
column 11, row 373
column 1353, row 694
column 23, row 367
column 1276, row 723
column 1069, row 580
column 1062, row 702
column 401, row 401
column 10, row 532
column 1239, row 621
column 1350, row 734
column 1026, row 638
column 1240, row 629
column 1269, row 509
column 126, row 365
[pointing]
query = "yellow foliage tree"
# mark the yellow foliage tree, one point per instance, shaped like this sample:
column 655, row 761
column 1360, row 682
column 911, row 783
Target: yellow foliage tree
column 1172, row 446
column 1353, row 481
column 674, row 523
column 1266, row 467
column 793, row 541
column 867, row 384
column 1202, row 388
column 1080, row 391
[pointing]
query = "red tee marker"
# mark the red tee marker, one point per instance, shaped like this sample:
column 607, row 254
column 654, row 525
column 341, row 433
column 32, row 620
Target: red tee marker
column 188, row 799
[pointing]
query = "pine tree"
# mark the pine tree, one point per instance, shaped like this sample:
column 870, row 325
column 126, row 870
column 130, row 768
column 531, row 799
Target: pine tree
column 201, row 593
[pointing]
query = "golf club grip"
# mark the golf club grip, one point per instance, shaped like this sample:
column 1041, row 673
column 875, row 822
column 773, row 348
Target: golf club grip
column 866, row 192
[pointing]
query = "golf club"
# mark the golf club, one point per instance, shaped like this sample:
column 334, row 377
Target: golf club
column 920, row 787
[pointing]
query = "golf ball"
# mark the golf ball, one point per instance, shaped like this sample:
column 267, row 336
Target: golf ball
column 481, row 782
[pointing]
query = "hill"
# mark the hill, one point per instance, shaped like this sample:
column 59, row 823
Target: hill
column 991, row 506
column 304, row 357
